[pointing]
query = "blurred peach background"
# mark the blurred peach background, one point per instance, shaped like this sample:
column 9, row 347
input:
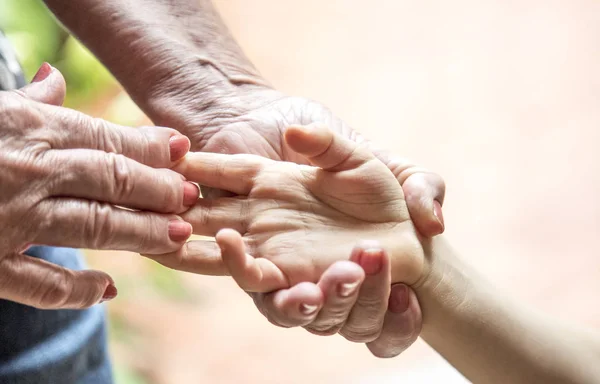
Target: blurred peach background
column 502, row 98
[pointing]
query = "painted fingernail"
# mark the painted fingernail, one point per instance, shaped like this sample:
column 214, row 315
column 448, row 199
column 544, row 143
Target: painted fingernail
column 347, row 289
column 437, row 212
column 191, row 192
column 371, row 261
column 110, row 293
column 178, row 145
column 179, row 230
column 398, row 301
column 42, row 73
column 307, row 309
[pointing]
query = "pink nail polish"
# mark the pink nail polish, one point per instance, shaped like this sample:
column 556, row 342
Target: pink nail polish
column 42, row 73
column 399, row 300
column 371, row 260
column 178, row 146
column 179, row 230
column 110, row 293
column 191, row 192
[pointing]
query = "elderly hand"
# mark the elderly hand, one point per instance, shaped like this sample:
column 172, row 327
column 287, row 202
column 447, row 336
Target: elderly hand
column 252, row 119
column 286, row 213
column 70, row 180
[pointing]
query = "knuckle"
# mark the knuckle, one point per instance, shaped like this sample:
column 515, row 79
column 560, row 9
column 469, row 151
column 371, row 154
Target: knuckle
column 98, row 229
column 154, row 152
column 120, row 172
column 59, row 291
column 105, row 137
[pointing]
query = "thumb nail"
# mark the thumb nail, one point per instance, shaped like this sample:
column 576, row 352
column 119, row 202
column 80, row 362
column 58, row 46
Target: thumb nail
column 398, row 301
column 437, row 212
column 110, row 293
column 42, row 73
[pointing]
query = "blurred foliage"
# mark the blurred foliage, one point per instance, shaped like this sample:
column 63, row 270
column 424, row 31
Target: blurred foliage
column 37, row 37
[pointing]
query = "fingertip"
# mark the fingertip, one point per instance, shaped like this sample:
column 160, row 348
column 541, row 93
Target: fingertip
column 309, row 140
column 228, row 237
column 179, row 145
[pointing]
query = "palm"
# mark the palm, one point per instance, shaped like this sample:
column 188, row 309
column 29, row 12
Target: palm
column 297, row 212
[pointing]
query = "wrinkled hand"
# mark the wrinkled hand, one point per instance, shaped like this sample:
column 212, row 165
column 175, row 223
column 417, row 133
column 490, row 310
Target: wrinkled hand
column 252, row 120
column 297, row 220
column 64, row 177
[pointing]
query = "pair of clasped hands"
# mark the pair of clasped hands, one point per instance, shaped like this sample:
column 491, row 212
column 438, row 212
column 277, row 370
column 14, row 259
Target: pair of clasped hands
column 327, row 233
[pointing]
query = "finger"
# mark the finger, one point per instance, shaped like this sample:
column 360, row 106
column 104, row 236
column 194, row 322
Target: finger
column 423, row 190
column 424, row 194
column 293, row 307
column 117, row 179
column 366, row 318
column 48, row 86
column 340, row 284
column 156, row 147
column 402, row 324
column 209, row 216
column 234, row 173
column 198, row 256
column 251, row 274
column 326, row 149
column 88, row 224
column 38, row 283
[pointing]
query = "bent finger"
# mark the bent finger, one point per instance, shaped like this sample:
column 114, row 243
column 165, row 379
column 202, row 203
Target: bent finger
column 251, row 274
column 366, row 318
column 293, row 307
column 402, row 325
column 340, row 283
column 40, row 284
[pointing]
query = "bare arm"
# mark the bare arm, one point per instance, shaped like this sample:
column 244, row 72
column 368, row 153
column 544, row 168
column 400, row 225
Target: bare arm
column 156, row 49
column 493, row 339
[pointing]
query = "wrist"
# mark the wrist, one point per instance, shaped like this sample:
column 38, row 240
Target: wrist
column 445, row 287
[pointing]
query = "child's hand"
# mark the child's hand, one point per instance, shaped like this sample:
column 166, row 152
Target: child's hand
column 296, row 220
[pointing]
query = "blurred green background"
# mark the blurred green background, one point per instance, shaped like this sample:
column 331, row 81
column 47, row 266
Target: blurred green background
column 37, row 38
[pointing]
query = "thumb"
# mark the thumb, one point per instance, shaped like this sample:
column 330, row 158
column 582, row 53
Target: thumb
column 325, row 148
column 38, row 283
column 48, row 86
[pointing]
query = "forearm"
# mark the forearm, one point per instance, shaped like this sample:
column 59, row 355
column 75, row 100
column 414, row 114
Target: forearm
column 158, row 48
column 493, row 339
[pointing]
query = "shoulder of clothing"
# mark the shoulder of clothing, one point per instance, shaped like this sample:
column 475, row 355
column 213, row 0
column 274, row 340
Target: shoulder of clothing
column 11, row 74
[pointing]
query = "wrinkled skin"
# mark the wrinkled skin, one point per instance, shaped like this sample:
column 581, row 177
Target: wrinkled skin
column 63, row 177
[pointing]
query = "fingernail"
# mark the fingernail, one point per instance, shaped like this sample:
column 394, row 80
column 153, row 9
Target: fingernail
column 110, row 293
column 307, row 309
column 398, row 301
column 371, row 261
column 178, row 145
column 347, row 289
column 42, row 73
column 191, row 192
column 179, row 230
column 437, row 212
